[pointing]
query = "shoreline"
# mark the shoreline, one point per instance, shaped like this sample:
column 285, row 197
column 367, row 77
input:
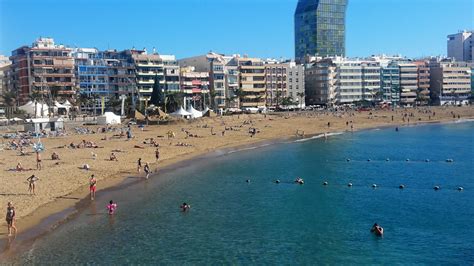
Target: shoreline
column 47, row 217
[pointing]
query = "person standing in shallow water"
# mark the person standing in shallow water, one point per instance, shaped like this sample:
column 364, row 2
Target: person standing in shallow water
column 92, row 186
column 139, row 165
column 147, row 170
column 10, row 218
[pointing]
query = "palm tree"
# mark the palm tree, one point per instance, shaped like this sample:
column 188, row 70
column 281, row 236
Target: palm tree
column 173, row 101
column 82, row 100
column 287, row 101
column 212, row 99
column 9, row 98
column 240, row 95
column 228, row 100
column 35, row 96
column 258, row 98
column 301, row 96
column 278, row 95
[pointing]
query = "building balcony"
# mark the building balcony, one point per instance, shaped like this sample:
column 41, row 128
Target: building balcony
column 253, row 104
column 252, row 74
column 149, row 82
column 150, row 65
column 52, row 75
column 54, row 84
column 408, row 94
column 252, row 67
column 253, row 82
column 66, row 92
column 260, row 90
column 149, row 73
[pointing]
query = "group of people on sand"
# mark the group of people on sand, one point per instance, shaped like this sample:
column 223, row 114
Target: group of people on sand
column 83, row 144
column 182, row 144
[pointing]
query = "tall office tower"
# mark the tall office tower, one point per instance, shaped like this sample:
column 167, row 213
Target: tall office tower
column 461, row 46
column 320, row 28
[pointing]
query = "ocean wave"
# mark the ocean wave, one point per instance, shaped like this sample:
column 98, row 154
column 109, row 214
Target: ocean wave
column 319, row 136
column 248, row 148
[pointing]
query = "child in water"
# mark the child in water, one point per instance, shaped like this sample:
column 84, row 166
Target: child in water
column 111, row 207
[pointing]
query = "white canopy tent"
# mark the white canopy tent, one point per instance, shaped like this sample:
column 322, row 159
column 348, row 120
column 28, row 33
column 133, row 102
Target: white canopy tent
column 35, row 109
column 181, row 113
column 108, row 118
column 194, row 113
column 61, row 108
column 67, row 103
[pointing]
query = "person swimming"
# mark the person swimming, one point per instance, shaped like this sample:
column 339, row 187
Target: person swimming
column 299, row 180
column 185, row 207
column 111, row 207
column 377, row 229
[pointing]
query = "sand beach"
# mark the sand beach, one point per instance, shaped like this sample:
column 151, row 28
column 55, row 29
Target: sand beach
column 64, row 182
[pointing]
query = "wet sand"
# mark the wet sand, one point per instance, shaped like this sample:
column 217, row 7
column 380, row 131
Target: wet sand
column 65, row 185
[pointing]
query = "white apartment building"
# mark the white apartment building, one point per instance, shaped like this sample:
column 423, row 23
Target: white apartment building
column 338, row 80
column 295, row 80
column 450, row 82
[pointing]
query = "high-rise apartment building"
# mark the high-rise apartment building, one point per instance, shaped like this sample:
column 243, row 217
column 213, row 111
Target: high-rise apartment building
column 251, row 81
column 121, row 72
column 295, row 81
column 5, row 66
column 461, row 46
column 408, row 83
column 92, row 79
column 195, row 86
column 390, row 83
column 423, row 92
column 320, row 28
column 276, row 79
column 320, row 82
column 223, row 77
column 340, row 80
column 150, row 67
column 450, row 82
column 44, row 69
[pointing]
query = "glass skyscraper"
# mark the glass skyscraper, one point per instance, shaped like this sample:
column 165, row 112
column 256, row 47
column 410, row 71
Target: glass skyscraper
column 320, row 28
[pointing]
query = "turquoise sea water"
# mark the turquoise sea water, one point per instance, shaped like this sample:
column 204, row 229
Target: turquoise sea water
column 234, row 222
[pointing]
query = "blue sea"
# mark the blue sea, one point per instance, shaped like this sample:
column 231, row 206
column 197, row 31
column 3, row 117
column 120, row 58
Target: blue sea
column 261, row 222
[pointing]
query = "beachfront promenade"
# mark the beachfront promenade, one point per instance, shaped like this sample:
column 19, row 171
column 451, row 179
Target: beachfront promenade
column 63, row 182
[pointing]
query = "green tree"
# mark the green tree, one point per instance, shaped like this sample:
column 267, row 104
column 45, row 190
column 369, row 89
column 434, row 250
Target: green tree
column 239, row 93
column 157, row 96
column 9, row 98
column 287, row 101
column 301, row 96
column 173, row 101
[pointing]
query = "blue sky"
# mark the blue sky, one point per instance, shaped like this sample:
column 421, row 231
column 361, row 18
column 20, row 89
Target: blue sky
column 262, row 28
